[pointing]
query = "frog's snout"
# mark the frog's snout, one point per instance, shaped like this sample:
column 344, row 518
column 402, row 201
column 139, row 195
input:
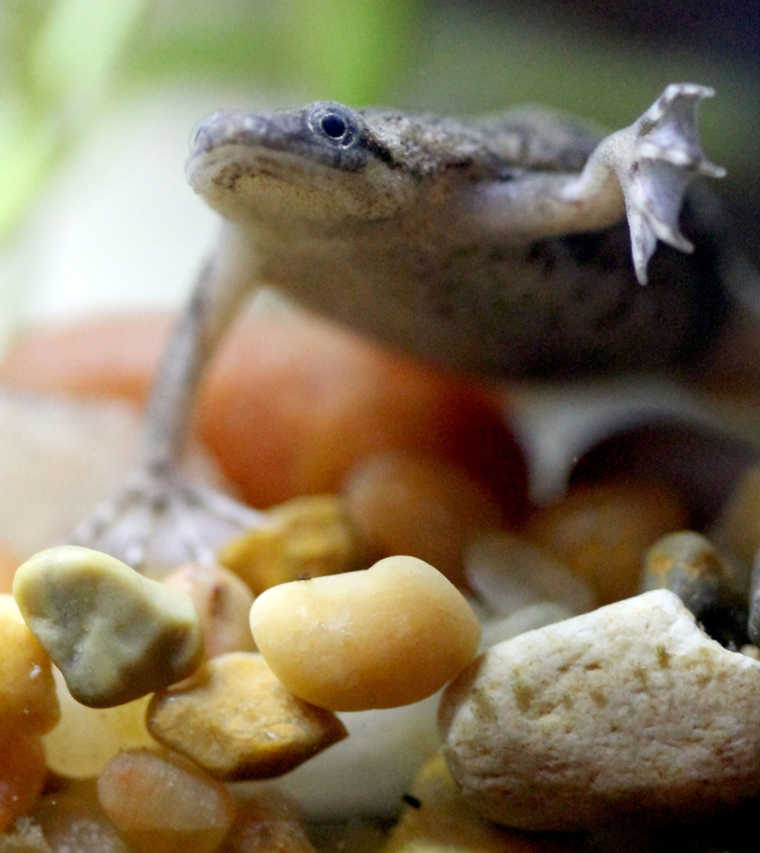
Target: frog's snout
column 227, row 127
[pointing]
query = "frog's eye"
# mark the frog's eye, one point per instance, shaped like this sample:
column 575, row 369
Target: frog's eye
column 335, row 124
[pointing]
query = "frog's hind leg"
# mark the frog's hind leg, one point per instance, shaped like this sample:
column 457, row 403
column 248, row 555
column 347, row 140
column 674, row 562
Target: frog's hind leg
column 654, row 159
column 159, row 518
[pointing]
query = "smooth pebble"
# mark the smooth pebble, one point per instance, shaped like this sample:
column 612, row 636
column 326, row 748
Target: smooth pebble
column 601, row 530
column 386, row 636
column 268, row 822
column 437, row 819
column 163, row 803
column 630, row 709
column 407, row 503
column 22, row 775
column 28, row 701
column 86, row 739
column 114, row 634
column 222, row 602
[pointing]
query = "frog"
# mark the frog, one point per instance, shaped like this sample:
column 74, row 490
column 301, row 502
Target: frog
column 520, row 244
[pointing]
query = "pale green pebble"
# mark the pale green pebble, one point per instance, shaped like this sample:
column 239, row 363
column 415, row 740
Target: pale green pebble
column 114, row 634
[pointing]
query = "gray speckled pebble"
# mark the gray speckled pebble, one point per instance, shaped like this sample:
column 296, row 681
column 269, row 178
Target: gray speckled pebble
column 114, row 634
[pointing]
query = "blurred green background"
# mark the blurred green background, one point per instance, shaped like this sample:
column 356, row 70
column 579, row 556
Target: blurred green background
column 67, row 64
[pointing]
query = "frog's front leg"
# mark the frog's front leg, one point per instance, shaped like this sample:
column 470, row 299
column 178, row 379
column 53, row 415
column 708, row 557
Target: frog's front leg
column 156, row 513
column 641, row 171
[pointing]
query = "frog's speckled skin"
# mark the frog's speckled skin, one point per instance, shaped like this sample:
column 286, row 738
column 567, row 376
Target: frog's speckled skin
column 494, row 245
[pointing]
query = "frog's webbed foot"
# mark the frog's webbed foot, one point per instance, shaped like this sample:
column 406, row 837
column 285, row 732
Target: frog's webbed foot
column 157, row 518
column 655, row 158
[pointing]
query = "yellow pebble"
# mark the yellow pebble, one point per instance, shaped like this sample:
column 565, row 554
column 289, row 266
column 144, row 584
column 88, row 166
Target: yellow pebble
column 601, row 530
column 86, row 739
column 386, row 636
column 437, row 820
column 237, row 721
column 306, row 537
column 28, row 701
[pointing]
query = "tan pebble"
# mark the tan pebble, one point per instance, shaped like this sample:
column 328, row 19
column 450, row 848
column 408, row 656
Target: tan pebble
column 412, row 504
column 114, row 634
column 306, row 537
column 163, row 803
column 437, row 819
column 601, row 530
column 22, row 774
column 751, row 651
column 86, row 739
column 73, row 821
column 28, row 701
column 222, row 601
column 236, row 720
column 386, row 636
column 268, row 822
column 629, row 710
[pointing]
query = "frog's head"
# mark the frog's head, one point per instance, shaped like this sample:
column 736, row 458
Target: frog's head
column 322, row 165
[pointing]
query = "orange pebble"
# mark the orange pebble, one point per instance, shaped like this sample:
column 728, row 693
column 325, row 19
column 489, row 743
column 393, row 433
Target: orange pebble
column 601, row 531
column 163, row 803
column 405, row 503
column 291, row 403
column 22, row 774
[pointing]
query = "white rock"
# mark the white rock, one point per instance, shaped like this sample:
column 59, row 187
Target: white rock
column 630, row 708
column 508, row 574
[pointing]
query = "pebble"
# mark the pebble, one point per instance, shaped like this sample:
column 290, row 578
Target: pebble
column 73, row 821
column 163, row 803
column 22, row 775
column 305, row 537
column 114, row 634
column 628, row 709
column 28, row 701
column 25, row 836
column 508, row 573
column 601, row 530
column 381, row 754
column 237, row 721
column 407, row 503
column 689, row 565
column 222, row 602
column 389, row 635
column 437, row 819
column 268, row 822
column 86, row 739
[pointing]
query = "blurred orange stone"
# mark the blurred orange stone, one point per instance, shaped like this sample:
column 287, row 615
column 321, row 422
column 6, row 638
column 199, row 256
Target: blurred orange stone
column 112, row 356
column 22, row 774
column 406, row 503
column 601, row 531
column 291, row 402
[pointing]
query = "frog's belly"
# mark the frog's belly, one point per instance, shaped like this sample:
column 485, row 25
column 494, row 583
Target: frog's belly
column 561, row 306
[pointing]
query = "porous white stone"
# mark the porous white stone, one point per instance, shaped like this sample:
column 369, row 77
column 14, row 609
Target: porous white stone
column 631, row 708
